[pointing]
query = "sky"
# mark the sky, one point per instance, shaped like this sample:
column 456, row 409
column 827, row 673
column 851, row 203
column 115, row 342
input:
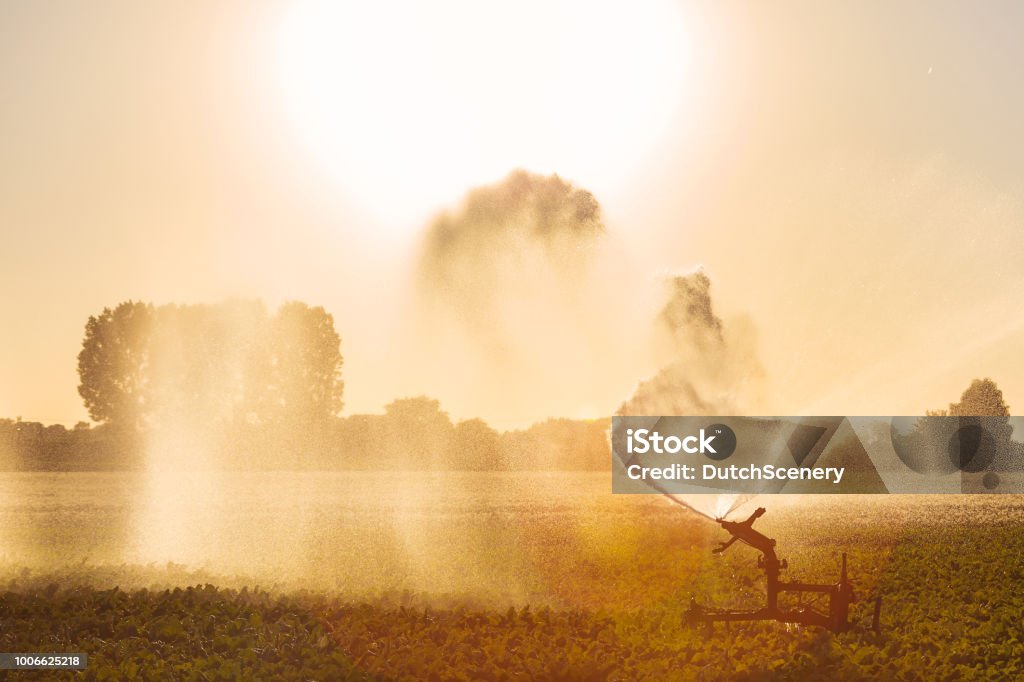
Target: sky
column 849, row 175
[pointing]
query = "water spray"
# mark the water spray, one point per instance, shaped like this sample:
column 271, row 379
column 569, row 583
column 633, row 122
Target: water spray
column 686, row 505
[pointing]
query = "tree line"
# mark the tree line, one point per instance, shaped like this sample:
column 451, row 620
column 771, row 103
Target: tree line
column 358, row 442
column 237, row 386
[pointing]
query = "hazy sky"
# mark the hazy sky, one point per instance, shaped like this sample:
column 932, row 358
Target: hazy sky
column 850, row 175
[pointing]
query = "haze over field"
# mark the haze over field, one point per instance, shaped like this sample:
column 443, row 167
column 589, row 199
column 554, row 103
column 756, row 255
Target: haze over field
column 849, row 179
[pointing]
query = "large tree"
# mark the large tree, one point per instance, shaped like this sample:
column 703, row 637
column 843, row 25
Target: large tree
column 203, row 365
column 981, row 399
column 114, row 363
column 981, row 434
column 306, row 361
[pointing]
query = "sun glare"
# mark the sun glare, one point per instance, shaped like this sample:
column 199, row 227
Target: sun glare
column 407, row 104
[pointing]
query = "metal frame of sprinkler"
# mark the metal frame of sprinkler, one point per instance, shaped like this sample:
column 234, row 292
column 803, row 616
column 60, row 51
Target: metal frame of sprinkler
column 840, row 595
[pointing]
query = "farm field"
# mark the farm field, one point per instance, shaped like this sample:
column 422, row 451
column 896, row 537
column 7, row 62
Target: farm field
column 489, row 576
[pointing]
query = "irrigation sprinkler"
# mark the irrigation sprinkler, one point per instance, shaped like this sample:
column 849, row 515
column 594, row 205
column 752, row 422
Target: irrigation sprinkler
column 840, row 595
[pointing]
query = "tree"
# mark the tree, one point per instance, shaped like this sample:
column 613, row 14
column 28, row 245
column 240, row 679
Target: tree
column 113, row 365
column 475, row 447
column 419, row 432
column 939, row 443
column 306, row 361
column 981, row 399
column 199, row 366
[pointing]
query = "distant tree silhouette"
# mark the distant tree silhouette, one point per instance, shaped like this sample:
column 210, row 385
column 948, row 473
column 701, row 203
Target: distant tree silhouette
column 306, row 362
column 202, row 365
column 981, row 409
column 475, row 447
column 418, row 432
column 114, row 362
column 981, row 399
column 559, row 444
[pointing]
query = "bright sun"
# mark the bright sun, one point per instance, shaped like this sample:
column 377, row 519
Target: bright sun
column 409, row 103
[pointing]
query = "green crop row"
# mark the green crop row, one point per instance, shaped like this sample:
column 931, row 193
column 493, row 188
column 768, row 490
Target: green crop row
column 951, row 589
